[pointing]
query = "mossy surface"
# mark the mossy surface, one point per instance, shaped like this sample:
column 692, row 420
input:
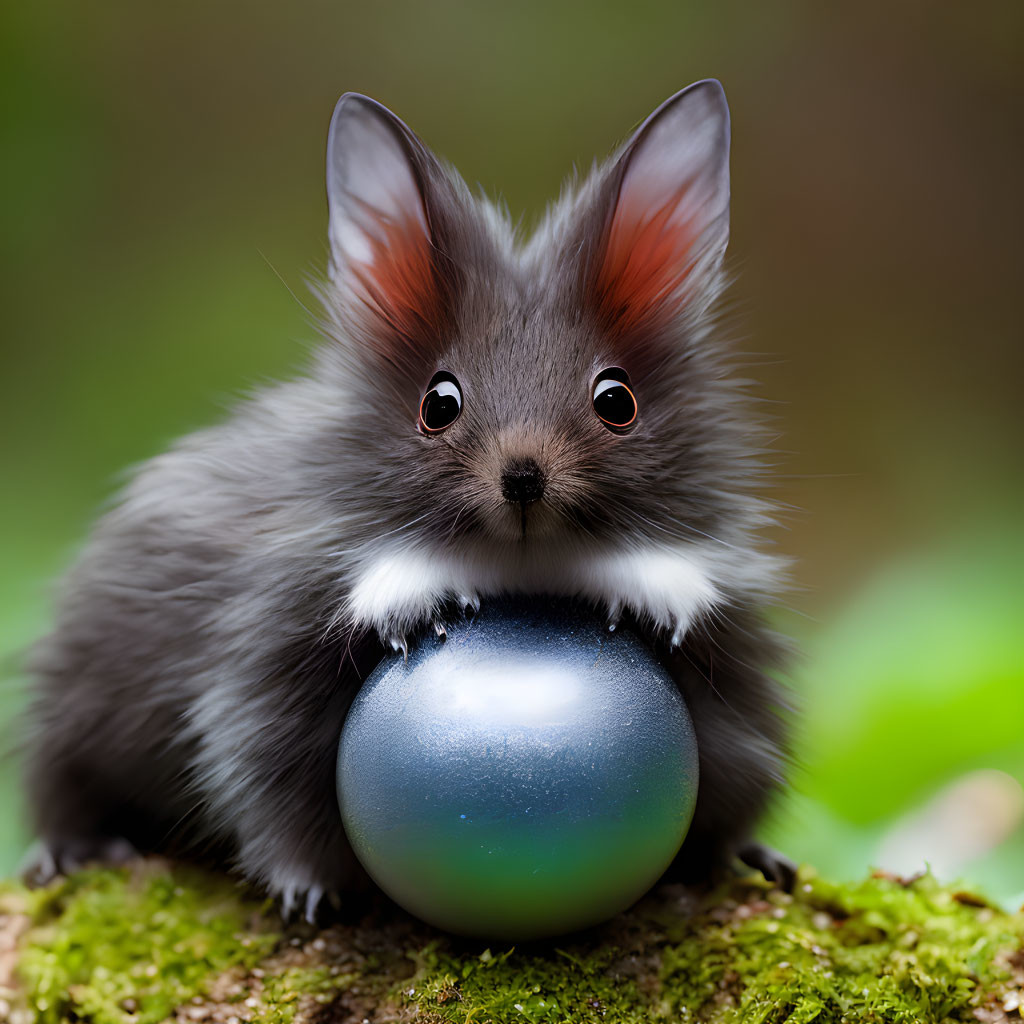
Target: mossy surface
column 118, row 947
column 157, row 941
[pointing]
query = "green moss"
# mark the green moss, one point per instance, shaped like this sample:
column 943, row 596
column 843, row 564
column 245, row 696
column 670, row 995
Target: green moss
column 559, row 986
column 295, row 989
column 154, row 942
column 128, row 946
column 882, row 950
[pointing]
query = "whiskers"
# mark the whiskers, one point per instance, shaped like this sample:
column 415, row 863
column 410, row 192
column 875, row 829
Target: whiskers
column 450, row 536
column 401, row 528
column 677, row 529
column 573, row 516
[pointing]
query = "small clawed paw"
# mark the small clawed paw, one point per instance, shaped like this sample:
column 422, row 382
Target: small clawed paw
column 45, row 861
column 39, row 866
column 305, row 903
column 776, row 867
column 395, row 633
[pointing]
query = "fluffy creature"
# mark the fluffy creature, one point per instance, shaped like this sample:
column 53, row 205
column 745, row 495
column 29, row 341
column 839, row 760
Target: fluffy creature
column 485, row 415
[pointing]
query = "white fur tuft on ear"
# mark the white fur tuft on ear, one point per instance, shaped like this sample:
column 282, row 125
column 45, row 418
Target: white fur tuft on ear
column 670, row 224
column 370, row 181
column 382, row 265
column 680, row 159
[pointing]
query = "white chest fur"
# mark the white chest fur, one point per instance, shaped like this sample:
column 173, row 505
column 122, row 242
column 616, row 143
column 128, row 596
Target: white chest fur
column 667, row 586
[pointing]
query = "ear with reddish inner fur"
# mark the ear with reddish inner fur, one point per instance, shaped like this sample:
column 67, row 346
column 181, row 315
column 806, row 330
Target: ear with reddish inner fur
column 383, row 258
column 666, row 223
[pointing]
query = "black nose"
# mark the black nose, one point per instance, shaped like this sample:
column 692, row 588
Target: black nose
column 522, row 481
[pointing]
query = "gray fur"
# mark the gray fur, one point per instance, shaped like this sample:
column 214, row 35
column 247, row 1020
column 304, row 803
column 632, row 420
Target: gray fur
column 223, row 614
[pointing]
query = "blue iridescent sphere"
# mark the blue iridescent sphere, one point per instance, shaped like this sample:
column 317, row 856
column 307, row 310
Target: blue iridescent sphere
column 531, row 775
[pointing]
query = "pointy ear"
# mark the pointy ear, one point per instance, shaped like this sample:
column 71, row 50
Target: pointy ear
column 666, row 221
column 382, row 260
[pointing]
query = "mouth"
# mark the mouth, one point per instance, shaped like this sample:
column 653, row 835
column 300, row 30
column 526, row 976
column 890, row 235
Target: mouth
column 519, row 522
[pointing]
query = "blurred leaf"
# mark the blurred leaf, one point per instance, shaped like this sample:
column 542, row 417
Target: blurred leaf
column 919, row 681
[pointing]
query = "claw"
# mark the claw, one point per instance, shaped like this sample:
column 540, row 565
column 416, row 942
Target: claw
column 44, row 862
column 776, row 867
column 440, row 630
column 39, row 866
column 313, row 898
column 302, row 902
column 614, row 616
column 398, row 643
column 289, row 899
column 470, row 603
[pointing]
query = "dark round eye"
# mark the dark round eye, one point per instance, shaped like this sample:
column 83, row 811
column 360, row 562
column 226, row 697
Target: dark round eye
column 441, row 404
column 614, row 402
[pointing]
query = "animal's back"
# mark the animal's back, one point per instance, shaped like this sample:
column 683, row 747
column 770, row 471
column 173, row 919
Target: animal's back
column 211, row 562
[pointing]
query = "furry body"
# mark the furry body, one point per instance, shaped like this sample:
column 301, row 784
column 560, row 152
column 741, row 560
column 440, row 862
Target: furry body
column 224, row 614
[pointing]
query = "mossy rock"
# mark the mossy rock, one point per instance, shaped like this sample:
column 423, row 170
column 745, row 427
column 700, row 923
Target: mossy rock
column 156, row 941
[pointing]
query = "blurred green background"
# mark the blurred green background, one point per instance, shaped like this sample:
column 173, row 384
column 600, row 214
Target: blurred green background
column 162, row 194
